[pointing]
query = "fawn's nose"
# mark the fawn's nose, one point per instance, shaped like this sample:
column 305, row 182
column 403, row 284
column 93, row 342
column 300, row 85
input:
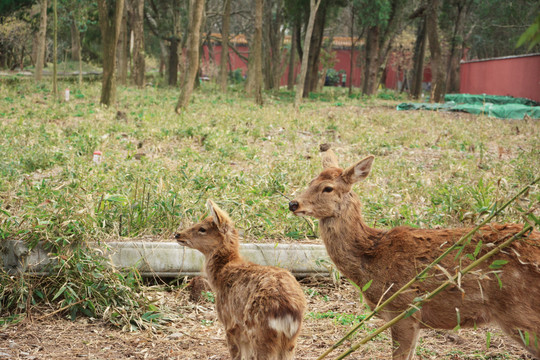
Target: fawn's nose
column 293, row 205
column 177, row 236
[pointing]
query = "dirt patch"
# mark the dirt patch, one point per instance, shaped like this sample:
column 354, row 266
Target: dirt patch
column 193, row 332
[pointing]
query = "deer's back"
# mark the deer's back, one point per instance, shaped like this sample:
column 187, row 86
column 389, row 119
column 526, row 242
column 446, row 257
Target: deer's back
column 255, row 297
column 510, row 286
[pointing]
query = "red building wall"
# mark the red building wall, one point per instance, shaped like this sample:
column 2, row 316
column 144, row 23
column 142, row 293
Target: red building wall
column 517, row 76
column 342, row 63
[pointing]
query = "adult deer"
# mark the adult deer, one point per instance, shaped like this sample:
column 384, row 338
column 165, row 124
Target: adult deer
column 508, row 297
column 261, row 307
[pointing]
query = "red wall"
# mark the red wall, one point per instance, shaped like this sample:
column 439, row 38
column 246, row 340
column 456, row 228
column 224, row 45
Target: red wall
column 342, row 63
column 514, row 76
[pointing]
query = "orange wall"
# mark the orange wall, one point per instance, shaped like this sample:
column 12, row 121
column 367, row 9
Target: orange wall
column 515, row 76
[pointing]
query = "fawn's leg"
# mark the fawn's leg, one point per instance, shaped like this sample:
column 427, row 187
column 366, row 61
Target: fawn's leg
column 404, row 336
column 232, row 344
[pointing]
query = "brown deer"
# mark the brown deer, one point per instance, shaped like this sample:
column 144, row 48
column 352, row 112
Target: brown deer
column 261, row 307
column 508, row 297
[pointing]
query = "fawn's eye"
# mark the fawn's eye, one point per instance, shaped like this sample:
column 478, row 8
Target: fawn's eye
column 202, row 230
column 328, row 189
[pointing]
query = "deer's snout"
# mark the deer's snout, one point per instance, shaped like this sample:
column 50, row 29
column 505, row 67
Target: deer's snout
column 293, row 205
column 177, row 236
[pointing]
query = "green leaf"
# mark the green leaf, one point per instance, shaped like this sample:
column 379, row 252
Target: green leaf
column 497, row 264
column 488, row 339
column 477, row 249
column 367, row 285
column 59, row 292
column 412, row 311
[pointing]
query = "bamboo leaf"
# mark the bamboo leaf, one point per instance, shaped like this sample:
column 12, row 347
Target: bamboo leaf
column 497, row 264
column 59, row 292
column 477, row 249
column 368, row 284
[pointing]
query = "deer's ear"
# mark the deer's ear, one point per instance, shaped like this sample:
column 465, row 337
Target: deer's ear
column 329, row 159
column 358, row 171
column 220, row 217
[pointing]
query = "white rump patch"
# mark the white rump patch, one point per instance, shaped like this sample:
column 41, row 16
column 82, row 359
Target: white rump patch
column 287, row 325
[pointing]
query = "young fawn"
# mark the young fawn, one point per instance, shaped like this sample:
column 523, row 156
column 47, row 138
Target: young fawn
column 261, row 307
column 508, row 297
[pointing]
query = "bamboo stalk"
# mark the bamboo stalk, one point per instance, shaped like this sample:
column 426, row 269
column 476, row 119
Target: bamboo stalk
column 419, row 276
column 417, row 304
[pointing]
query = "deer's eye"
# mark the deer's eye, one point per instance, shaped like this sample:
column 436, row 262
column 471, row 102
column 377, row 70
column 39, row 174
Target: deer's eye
column 202, row 230
column 328, row 189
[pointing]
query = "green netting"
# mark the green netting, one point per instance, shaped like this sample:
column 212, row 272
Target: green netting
column 483, row 98
column 503, row 107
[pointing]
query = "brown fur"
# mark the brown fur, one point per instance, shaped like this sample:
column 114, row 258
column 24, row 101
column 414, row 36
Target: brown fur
column 392, row 257
column 261, row 307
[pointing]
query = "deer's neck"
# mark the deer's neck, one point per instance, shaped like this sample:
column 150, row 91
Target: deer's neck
column 218, row 260
column 348, row 238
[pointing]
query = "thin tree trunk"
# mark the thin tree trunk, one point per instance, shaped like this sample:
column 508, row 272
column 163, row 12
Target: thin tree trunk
column 138, row 43
column 173, row 61
column 110, row 30
column 123, row 49
column 313, row 7
column 196, row 17
column 55, row 50
column 314, row 53
column 41, row 41
column 292, row 58
column 369, row 82
column 75, row 39
column 456, row 49
column 224, row 61
column 437, row 67
column 257, row 49
column 80, row 64
column 418, row 59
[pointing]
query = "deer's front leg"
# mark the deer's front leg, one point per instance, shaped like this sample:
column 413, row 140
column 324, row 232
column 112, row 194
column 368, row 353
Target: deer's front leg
column 404, row 337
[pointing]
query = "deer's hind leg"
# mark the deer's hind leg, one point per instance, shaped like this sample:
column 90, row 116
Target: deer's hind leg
column 404, row 336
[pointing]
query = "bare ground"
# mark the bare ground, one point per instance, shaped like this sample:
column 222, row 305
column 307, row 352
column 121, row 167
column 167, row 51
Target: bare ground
column 194, row 332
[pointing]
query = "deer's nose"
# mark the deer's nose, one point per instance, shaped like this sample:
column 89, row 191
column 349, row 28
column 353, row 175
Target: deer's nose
column 177, row 236
column 293, row 205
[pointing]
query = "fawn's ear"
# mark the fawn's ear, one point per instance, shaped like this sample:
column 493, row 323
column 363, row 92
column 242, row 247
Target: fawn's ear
column 358, row 171
column 329, row 159
column 220, row 217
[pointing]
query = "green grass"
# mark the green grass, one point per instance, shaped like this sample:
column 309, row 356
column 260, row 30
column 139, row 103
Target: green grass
column 158, row 168
column 245, row 157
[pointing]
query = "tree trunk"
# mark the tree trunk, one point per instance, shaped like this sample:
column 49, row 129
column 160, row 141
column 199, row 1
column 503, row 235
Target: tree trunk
column 173, row 61
column 75, row 39
column 313, row 7
column 41, row 41
column 55, row 50
column 194, row 36
column 371, row 68
column 314, row 53
column 162, row 57
column 257, row 38
column 418, row 59
column 123, row 50
column 437, row 67
column 292, row 57
column 110, row 18
column 456, row 47
column 137, row 25
column 224, row 61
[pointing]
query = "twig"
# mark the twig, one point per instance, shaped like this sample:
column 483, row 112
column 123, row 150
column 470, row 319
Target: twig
column 419, row 276
column 59, row 310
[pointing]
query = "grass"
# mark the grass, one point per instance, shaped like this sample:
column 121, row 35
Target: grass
column 432, row 169
column 158, row 168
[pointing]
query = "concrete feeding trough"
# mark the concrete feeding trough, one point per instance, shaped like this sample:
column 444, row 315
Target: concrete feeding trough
column 168, row 259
